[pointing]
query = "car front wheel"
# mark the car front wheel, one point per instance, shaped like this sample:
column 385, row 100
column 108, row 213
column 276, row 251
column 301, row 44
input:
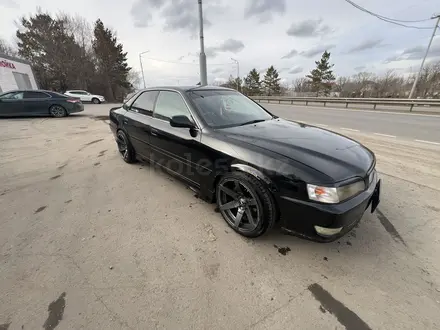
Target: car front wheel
column 245, row 204
column 95, row 101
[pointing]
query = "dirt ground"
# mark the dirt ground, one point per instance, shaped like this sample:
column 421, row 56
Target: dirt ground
column 90, row 242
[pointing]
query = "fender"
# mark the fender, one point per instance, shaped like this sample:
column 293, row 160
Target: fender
column 254, row 172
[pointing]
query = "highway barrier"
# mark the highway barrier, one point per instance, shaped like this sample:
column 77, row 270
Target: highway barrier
column 374, row 102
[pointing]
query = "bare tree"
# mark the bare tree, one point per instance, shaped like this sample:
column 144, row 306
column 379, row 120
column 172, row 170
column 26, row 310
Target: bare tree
column 341, row 83
column 363, row 84
column 7, row 49
column 301, row 85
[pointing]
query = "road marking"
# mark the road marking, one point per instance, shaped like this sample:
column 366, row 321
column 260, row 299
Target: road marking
column 349, row 129
column 386, row 135
column 429, row 142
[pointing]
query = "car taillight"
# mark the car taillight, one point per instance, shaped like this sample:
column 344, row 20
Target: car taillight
column 73, row 100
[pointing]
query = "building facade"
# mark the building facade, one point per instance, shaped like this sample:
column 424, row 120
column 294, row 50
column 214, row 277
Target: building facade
column 15, row 73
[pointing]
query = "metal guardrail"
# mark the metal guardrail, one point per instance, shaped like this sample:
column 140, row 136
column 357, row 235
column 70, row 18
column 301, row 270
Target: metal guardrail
column 411, row 103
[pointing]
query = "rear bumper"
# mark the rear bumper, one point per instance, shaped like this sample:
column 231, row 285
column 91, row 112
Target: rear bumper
column 306, row 219
column 77, row 107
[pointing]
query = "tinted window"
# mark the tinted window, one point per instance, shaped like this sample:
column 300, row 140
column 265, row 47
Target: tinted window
column 170, row 104
column 145, row 103
column 13, row 96
column 35, row 95
column 72, row 92
column 223, row 108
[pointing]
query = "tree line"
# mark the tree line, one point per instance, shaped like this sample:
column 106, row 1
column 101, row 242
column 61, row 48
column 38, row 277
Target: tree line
column 321, row 81
column 66, row 52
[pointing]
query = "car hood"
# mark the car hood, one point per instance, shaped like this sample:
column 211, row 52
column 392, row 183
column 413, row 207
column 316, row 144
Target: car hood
column 334, row 155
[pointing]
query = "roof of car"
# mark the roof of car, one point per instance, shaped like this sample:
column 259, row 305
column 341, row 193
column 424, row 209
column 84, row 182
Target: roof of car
column 187, row 88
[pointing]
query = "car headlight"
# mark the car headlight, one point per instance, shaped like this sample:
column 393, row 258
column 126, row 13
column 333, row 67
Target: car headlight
column 332, row 195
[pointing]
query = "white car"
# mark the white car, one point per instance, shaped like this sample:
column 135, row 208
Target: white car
column 85, row 96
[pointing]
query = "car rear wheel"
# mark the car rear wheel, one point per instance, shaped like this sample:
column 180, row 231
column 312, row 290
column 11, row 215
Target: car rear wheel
column 245, row 204
column 57, row 111
column 95, row 101
column 125, row 148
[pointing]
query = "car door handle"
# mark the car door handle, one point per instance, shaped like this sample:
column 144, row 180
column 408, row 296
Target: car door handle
column 153, row 132
column 125, row 121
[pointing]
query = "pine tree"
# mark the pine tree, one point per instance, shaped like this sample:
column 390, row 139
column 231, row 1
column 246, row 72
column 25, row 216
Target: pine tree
column 322, row 77
column 52, row 51
column 111, row 61
column 252, row 83
column 272, row 81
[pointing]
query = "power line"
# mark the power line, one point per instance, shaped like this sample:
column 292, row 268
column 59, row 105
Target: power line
column 391, row 20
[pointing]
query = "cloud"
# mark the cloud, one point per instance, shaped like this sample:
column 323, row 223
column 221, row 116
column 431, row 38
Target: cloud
column 316, row 50
column 217, row 70
column 9, row 4
column 290, row 54
column 368, row 44
column 308, row 29
column 415, row 53
column 360, row 68
column 177, row 14
column 264, row 10
column 229, row 45
column 296, row 70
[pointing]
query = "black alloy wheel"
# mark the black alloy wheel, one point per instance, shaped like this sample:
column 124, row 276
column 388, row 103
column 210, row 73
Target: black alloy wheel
column 245, row 204
column 95, row 101
column 125, row 148
column 57, row 111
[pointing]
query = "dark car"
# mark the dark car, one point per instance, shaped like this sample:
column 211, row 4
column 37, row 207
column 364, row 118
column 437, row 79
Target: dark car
column 260, row 169
column 38, row 103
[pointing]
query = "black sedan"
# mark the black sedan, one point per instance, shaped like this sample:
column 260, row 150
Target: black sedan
column 258, row 168
column 38, row 103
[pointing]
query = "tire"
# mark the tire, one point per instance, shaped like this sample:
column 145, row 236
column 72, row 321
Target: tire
column 125, row 148
column 96, row 101
column 248, row 208
column 57, row 111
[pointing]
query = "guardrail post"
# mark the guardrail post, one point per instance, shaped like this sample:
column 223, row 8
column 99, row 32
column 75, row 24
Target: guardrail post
column 279, row 101
column 412, row 106
column 307, row 102
column 324, row 103
column 268, row 101
column 346, row 104
column 374, row 106
column 291, row 102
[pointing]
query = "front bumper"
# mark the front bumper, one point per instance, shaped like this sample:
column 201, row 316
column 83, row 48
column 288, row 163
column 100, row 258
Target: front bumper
column 305, row 219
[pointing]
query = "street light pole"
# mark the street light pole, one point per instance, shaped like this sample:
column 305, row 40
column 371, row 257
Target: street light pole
column 238, row 73
column 203, row 74
column 437, row 22
column 142, row 67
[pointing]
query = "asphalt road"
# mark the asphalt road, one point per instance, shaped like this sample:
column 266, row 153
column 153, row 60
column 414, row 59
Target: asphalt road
column 89, row 242
column 400, row 125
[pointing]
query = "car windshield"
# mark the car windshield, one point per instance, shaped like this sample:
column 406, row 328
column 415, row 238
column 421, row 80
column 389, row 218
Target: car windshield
column 225, row 108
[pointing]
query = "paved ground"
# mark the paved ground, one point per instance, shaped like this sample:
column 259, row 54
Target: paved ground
column 403, row 125
column 89, row 242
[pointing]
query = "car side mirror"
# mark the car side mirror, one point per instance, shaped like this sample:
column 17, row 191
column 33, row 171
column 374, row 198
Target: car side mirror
column 181, row 121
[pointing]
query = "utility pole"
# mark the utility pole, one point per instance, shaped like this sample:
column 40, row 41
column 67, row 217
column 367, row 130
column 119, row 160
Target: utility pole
column 203, row 74
column 142, row 68
column 238, row 73
column 437, row 22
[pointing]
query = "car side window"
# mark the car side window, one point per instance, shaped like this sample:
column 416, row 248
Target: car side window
column 144, row 104
column 13, row 96
column 35, row 95
column 170, row 104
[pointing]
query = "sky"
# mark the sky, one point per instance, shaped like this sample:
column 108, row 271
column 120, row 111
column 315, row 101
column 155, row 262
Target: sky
column 289, row 34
